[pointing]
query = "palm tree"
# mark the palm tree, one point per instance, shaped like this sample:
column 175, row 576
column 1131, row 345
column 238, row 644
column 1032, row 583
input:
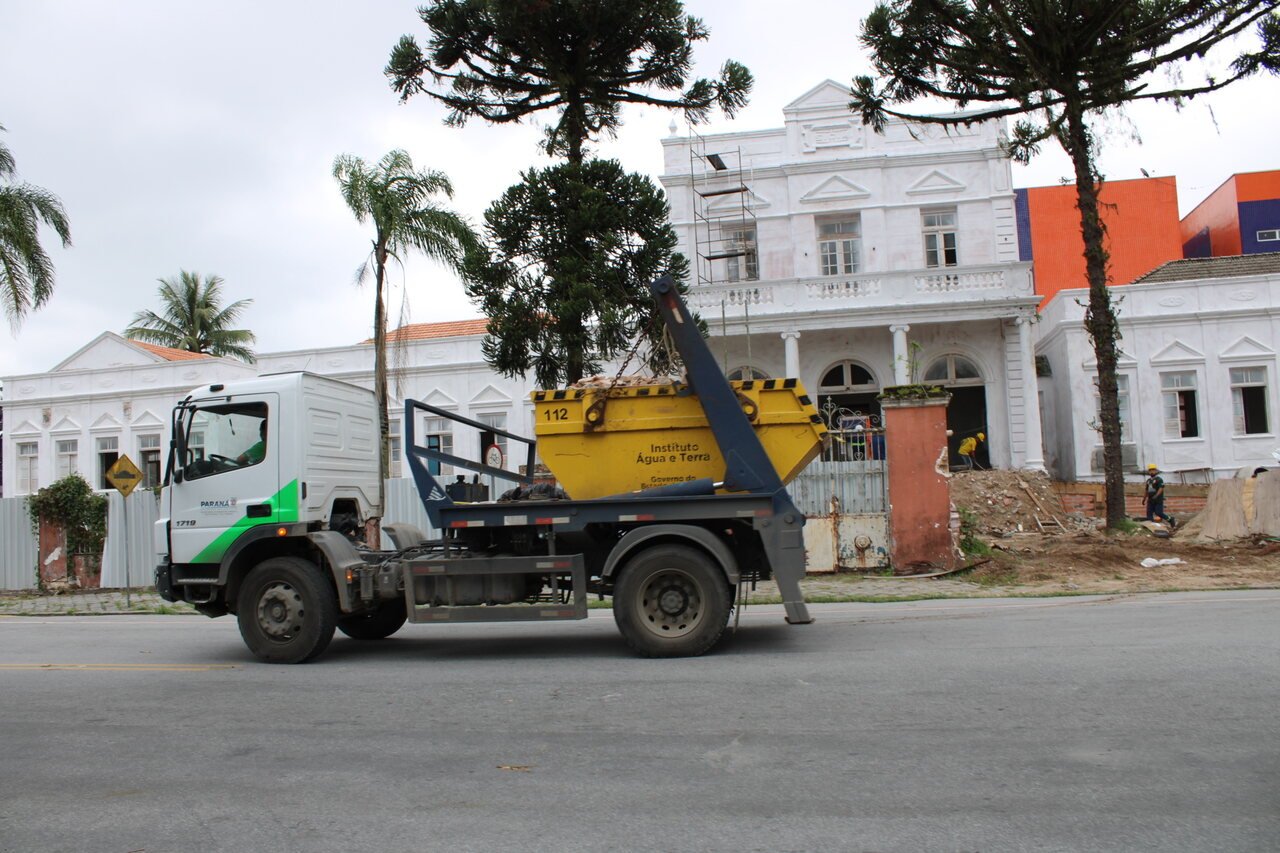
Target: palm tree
column 400, row 203
column 26, row 273
column 194, row 318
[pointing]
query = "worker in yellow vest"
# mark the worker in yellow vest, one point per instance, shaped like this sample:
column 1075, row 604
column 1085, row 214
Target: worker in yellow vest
column 968, row 447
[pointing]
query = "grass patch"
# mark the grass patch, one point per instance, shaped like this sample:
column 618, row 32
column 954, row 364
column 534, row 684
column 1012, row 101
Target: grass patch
column 970, row 544
column 1126, row 526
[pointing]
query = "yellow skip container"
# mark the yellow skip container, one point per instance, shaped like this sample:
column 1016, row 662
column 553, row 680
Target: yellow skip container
column 600, row 441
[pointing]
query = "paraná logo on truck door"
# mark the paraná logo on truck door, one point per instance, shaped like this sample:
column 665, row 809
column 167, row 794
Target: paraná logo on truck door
column 124, row 475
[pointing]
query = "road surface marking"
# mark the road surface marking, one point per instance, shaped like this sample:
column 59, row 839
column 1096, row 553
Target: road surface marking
column 122, row 667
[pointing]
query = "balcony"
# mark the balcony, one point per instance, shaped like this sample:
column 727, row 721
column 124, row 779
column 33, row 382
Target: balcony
column 971, row 285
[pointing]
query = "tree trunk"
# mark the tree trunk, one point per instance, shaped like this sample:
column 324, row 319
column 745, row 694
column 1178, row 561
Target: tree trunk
column 380, row 375
column 1100, row 318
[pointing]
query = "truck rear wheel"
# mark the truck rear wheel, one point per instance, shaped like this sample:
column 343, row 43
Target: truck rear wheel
column 376, row 624
column 287, row 610
column 671, row 601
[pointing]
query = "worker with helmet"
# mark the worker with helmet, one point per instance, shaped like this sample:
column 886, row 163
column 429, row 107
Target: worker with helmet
column 1153, row 496
column 968, row 448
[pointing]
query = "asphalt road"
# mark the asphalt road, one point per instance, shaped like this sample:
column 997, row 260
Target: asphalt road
column 1140, row 723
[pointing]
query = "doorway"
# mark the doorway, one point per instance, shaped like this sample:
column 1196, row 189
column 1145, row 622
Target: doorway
column 967, row 411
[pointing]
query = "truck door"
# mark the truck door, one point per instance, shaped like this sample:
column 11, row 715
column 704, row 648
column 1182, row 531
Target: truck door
column 229, row 464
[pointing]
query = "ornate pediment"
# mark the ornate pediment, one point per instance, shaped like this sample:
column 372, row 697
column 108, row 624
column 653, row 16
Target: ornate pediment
column 1178, row 353
column 936, row 182
column 440, row 400
column 105, row 423
column 836, row 188
column 1123, row 359
column 489, row 394
column 1246, row 349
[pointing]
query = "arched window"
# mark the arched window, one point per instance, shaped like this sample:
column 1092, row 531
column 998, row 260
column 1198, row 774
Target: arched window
column 847, row 388
column 747, row 372
column 953, row 369
column 847, row 377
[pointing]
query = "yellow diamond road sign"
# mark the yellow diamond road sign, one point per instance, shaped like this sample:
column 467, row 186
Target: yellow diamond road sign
column 124, row 475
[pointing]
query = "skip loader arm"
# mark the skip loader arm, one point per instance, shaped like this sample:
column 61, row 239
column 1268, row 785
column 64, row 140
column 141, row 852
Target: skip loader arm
column 747, row 464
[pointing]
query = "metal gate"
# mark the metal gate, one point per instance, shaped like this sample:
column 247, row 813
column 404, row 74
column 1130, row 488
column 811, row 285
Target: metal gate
column 844, row 495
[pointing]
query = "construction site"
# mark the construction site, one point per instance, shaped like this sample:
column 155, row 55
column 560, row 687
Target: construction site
column 1019, row 529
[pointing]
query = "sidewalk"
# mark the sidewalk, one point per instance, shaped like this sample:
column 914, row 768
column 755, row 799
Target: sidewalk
column 819, row 588
column 94, row 602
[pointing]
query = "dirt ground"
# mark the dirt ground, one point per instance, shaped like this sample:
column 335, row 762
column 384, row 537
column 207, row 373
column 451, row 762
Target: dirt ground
column 1076, row 555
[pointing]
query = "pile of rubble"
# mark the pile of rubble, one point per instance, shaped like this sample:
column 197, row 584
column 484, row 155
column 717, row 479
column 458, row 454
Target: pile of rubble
column 629, row 381
column 1007, row 502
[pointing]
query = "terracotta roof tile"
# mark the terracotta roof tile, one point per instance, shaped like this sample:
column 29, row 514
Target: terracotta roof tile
column 1194, row 269
column 424, row 331
column 169, row 353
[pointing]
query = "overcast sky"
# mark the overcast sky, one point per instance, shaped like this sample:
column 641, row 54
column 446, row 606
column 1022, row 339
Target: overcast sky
column 200, row 136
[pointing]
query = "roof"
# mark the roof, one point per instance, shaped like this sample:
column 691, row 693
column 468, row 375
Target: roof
column 169, row 353
column 424, row 331
column 1193, row 269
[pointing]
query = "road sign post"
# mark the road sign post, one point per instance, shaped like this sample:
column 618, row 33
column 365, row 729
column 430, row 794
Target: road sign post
column 493, row 458
column 125, row 477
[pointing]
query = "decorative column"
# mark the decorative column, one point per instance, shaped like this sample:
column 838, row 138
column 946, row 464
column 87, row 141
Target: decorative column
column 791, row 344
column 915, row 433
column 901, row 355
column 1030, row 398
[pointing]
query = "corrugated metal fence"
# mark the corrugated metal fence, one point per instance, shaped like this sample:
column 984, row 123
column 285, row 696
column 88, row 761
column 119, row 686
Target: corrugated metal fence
column 130, row 559
column 17, row 545
column 404, row 506
column 851, row 474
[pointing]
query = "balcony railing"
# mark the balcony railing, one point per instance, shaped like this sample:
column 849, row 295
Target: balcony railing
column 868, row 290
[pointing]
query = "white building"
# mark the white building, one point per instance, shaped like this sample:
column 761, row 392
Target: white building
column 1197, row 371
column 856, row 260
column 114, row 396
column 874, row 260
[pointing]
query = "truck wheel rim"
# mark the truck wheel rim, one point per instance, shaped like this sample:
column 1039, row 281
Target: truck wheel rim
column 670, row 604
column 280, row 611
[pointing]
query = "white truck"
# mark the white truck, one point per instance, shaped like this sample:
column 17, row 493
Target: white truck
column 271, row 481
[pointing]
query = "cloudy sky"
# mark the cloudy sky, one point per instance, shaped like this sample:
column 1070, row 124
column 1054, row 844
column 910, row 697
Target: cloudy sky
column 200, row 136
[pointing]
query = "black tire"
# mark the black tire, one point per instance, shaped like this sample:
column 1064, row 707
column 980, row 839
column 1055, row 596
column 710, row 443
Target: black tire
column 671, row 601
column 287, row 610
column 376, row 624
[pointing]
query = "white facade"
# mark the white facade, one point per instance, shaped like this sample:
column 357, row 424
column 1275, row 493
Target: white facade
column 1200, row 388
column 114, row 397
column 896, row 253
column 917, row 195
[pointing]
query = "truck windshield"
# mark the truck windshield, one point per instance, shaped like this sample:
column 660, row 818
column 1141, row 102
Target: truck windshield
column 224, row 437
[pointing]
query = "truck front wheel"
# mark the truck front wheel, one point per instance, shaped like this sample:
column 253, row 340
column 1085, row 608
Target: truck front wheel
column 671, row 601
column 287, row 610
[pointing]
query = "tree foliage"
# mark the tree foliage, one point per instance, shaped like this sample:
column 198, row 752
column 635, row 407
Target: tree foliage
column 564, row 277
column 1058, row 66
column 26, row 272
column 71, row 504
column 402, row 203
column 504, row 60
column 193, row 318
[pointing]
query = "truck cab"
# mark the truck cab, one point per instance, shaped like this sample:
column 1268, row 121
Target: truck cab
column 291, row 452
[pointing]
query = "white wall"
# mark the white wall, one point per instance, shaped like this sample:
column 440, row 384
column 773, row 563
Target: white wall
column 1205, row 326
